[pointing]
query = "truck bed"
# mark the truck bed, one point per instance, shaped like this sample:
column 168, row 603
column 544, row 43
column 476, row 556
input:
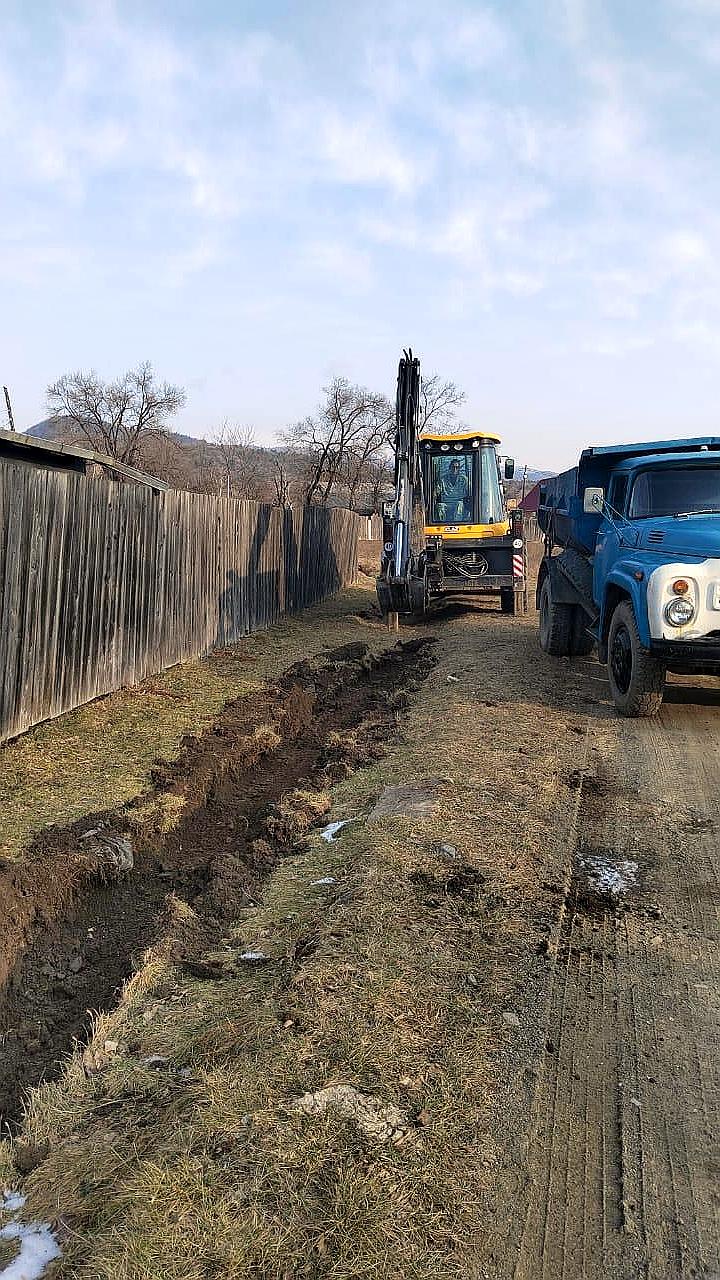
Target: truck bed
column 561, row 514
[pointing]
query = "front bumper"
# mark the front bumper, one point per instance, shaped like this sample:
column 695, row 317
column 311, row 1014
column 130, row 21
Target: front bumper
column 694, row 655
column 486, row 584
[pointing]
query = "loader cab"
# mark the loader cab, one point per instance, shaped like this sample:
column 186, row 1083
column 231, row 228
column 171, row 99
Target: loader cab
column 462, row 486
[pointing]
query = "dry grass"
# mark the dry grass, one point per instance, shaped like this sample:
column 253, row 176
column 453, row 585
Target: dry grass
column 100, row 756
column 389, row 980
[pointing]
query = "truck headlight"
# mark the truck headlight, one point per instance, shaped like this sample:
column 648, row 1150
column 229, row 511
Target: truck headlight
column 680, row 612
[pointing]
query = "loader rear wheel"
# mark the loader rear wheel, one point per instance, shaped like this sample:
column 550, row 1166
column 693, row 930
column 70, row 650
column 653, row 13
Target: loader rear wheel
column 636, row 676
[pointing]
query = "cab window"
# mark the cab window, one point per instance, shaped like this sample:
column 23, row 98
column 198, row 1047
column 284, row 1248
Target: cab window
column 618, row 494
column 451, row 489
column 491, row 500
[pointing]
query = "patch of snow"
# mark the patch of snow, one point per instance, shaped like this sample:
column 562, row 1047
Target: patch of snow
column 12, row 1201
column 38, row 1245
column 377, row 1121
column 253, row 956
column 329, row 833
column 323, row 880
column 610, row 877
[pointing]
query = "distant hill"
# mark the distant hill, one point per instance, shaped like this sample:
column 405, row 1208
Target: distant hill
column 52, row 428
column 45, row 430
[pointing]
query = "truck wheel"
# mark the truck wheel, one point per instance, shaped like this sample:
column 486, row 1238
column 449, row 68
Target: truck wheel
column 582, row 642
column 556, row 624
column 637, row 678
column 507, row 599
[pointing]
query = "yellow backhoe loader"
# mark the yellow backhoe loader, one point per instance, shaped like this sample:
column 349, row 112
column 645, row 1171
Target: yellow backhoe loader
column 447, row 532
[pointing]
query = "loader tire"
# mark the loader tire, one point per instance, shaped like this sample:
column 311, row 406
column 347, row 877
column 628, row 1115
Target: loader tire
column 636, row 676
column 556, row 624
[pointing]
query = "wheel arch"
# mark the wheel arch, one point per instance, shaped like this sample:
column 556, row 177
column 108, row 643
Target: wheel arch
column 621, row 586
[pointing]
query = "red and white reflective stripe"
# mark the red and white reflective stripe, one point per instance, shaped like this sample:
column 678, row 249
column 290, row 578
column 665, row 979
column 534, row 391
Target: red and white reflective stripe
column 518, row 567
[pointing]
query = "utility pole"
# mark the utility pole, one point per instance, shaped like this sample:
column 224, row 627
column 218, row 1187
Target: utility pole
column 524, row 482
column 9, row 409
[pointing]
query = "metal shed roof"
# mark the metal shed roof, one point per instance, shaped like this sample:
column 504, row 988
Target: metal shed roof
column 71, row 457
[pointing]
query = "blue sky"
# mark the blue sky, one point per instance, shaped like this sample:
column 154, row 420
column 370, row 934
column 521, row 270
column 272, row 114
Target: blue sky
column 257, row 196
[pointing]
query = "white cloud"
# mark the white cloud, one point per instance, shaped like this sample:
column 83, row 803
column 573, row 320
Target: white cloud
column 705, row 8
column 346, row 266
column 523, row 284
column 685, row 248
column 361, row 150
column 618, row 346
column 576, row 18
column 475, row 39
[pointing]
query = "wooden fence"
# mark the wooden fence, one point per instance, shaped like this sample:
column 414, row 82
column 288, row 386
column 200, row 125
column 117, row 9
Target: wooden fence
column 103, row 584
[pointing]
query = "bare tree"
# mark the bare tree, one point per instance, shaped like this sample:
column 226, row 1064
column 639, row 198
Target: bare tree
column 237, row 461
column 378, row 481
column 351, row 426
column 281, row 481
column 115, row 418
column 439, row 403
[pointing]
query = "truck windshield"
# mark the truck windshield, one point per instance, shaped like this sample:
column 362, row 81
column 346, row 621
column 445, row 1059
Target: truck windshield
column 672, row 491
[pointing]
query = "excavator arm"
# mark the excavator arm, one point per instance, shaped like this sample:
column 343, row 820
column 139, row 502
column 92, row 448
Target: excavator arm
column 401, row 583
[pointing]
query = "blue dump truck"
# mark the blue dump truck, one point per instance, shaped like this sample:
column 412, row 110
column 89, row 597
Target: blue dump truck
column 632, row 564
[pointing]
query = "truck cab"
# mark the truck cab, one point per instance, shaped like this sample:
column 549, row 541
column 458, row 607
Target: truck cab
column 639, row 569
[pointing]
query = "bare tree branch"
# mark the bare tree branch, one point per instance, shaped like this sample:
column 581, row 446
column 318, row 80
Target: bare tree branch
column 281, row 482
column 439, row 403
column 115, row 418
column 237, row 462
column 350, row 428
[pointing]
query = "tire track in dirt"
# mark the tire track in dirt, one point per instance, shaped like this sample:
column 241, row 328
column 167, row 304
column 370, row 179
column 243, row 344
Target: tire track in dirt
column 623, row 1175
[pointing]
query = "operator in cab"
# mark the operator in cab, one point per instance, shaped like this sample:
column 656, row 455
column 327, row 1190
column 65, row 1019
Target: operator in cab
column 452, row 493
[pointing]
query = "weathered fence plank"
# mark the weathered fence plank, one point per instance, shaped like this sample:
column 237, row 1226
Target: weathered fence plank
column 103, row 584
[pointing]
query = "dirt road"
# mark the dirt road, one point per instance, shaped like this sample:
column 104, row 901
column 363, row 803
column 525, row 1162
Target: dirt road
column 623, row 1170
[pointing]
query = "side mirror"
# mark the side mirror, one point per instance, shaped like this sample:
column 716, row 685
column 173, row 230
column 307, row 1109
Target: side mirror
column 593, row 500
column 509, row 468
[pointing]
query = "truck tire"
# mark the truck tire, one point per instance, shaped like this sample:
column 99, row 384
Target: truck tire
column 556, row 624
column 637, row 678
column 507, row 599
column 582, row 642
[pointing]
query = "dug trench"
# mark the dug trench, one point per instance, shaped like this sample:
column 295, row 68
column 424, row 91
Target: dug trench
column 91, row 898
